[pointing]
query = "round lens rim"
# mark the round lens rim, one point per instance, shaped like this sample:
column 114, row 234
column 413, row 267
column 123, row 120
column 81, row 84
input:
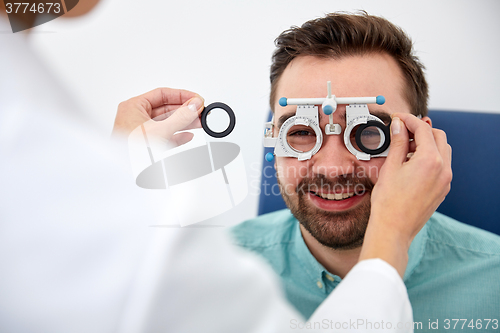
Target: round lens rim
column 230, row 113
column 381, row 126
column 292, row 146
column 288, row 150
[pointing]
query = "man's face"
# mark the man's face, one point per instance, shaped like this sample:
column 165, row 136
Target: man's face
column 330, row 193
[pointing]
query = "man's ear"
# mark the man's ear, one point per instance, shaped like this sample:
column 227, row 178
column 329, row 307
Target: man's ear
column 427, row 120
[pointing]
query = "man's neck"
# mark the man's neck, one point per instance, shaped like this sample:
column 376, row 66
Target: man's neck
column 338, row 262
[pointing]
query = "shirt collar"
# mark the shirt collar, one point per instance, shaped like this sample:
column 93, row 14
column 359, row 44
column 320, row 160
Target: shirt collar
column 315, row 271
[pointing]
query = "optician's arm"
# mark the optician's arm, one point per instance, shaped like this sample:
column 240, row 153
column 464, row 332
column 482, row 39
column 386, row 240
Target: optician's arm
column 202, row 283
column 244, row 295
column 408, row 191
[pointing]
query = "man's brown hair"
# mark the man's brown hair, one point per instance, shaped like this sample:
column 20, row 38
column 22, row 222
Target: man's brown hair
column 339, row 35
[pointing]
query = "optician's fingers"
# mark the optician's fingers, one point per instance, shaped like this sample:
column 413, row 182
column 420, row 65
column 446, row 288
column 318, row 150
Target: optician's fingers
column 422, row 132
column 444, row 148
column 195, row 124
column 399, row 144
column 183, row 118
column 164, row 111
column 413, row 146
column 442, row 145
column 166, row 96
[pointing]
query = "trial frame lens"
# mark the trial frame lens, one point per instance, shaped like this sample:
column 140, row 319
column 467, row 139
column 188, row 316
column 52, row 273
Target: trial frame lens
column 367, row 138
column 301, row 138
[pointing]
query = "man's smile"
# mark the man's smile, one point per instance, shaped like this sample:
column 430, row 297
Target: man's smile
column 336, row 201
column 334, row 196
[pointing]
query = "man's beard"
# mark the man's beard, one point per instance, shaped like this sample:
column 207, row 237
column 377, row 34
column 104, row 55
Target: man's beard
column 337, row 230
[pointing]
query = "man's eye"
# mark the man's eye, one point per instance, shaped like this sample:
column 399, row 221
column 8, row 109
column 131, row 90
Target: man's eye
column 366, row 133
column 301, row 133
column 301, row 138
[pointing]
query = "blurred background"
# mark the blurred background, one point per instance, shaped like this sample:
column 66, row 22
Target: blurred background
column 222, row 50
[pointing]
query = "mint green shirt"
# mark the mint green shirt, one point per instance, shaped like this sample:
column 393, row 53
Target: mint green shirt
column 453, row 270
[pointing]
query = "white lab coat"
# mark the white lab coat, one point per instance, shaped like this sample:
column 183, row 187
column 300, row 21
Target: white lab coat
column 78, row 253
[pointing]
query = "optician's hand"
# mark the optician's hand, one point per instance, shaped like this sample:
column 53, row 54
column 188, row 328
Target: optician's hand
column 408, row 190
column 165, row 110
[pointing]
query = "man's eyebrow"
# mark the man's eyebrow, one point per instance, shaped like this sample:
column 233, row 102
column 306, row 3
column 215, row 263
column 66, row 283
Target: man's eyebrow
column 284, row 118
column 385, row 117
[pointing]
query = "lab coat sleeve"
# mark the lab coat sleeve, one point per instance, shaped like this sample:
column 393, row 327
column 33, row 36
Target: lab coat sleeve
column 372, row 297
column 208, row 285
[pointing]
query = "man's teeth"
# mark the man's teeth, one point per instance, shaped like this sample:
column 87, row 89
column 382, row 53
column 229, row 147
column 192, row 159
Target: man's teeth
column 335, row 196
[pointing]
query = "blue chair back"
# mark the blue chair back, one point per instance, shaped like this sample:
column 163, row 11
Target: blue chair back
column 475, row 190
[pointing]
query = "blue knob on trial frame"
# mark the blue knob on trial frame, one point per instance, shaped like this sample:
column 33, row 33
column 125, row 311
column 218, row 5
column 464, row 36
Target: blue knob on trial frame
column 380, row 100
column 327, row 109
column 269, row 157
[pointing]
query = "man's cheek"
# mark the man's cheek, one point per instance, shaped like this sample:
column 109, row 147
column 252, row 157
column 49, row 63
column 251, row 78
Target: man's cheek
column 289, row 184
column 286, row 170
column 289, row 190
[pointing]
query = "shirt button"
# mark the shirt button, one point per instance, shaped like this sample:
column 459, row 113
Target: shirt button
column 329, row 277
column 319, row 284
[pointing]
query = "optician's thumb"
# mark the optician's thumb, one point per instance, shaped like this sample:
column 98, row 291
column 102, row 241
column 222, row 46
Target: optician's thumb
column 182, row 117
column 400, row 143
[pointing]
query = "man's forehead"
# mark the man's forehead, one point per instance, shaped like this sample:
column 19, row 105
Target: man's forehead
column 348, row 75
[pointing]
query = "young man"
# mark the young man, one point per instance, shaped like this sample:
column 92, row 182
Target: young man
column 452, row 269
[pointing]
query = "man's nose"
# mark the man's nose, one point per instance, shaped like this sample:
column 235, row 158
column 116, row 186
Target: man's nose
column 333, row 159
